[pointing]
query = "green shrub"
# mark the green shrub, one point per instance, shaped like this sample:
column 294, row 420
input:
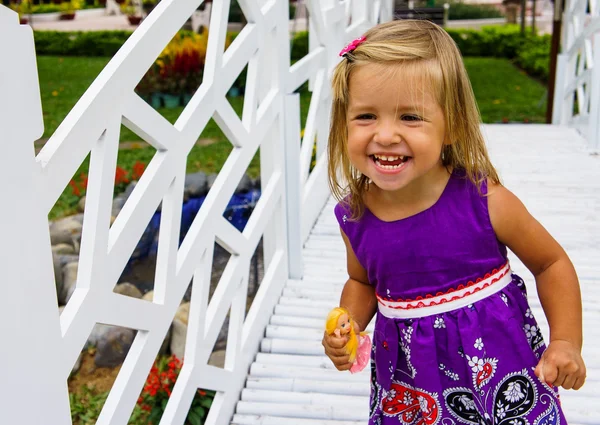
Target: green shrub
column 500, row 41
column 92, row 43
column 299, row 46
column 46, row 8
column 534, row 56
column 531, row 52
column 461, row 10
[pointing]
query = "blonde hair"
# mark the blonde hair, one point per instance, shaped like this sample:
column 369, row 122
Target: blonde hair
column 425, row 49
column 331, row 324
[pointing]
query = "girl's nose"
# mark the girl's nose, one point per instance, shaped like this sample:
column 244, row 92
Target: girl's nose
column 386, row 134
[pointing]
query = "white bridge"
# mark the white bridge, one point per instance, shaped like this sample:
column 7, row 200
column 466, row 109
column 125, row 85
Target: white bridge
column 275, row 371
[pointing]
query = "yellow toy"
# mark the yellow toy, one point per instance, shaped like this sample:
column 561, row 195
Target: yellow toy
column 339, row 323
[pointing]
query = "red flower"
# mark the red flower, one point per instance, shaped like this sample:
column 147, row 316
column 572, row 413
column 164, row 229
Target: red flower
column 138, row 170
column 74, row 187
column 121, row 176
column 84, row 180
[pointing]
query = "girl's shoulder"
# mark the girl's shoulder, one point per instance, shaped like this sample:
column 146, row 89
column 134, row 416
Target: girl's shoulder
column 343, row 212
column 346, row 217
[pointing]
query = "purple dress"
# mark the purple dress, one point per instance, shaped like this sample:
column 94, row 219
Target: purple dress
column 455, row 341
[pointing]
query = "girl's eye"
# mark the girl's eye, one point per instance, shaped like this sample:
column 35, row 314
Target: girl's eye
column 343, row 325
column 414, row 118
column 365, row 117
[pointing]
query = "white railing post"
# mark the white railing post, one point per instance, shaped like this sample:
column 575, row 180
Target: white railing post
column 594, row 126
column 559, row 90
column 293, row 186
column 578, row 73
column 387, row 10
column 34, row 391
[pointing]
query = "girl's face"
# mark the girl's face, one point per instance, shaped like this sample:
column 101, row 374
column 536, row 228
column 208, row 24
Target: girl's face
column 396, row 129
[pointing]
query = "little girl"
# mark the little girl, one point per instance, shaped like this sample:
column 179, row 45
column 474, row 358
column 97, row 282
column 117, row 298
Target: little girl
column 427, row 225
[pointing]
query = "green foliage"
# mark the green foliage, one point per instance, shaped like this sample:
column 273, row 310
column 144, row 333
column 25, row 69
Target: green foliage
column 531, row 51
column 299, row 45
column 86, row 407
column 497, row 41
column 534, row 56
column 46, row 8
column 462, row 10
column 80, row 43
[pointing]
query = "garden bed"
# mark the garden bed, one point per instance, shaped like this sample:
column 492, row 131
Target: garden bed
column 35, row 18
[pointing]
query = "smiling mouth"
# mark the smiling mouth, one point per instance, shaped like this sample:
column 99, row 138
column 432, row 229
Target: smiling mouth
column 389, row 162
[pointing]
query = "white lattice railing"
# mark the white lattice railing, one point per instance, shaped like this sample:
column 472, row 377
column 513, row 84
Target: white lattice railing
column 39, row 347
column 577, row 95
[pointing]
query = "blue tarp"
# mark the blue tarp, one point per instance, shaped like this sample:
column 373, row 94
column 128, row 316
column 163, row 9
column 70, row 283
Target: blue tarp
column 237, row 212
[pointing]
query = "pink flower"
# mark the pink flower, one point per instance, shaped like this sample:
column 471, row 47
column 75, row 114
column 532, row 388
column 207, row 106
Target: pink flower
column 350, row 47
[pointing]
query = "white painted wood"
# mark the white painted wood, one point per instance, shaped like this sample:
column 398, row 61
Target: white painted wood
column 93, row 127
column 334, row 411
column 201, row 18
column 577, row 71
column 278, row 420
column 292, row 185
column 262, row 396
column 29, row 319
column 305, row 385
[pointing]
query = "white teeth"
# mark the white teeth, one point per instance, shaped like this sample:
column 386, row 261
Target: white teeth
column 389, row 167
column 388, row 158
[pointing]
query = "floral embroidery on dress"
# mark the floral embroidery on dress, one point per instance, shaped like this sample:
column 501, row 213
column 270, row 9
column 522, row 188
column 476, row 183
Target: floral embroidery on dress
column 483, row 370
column 439, row 323
column 405, row 347
column 412, row 406
column 478, row 344
column 534, row 336
column 514, row 397
column 550, row 416
column 449, row 372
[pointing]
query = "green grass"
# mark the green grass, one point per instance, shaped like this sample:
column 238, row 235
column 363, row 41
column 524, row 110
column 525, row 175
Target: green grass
column 503, row 92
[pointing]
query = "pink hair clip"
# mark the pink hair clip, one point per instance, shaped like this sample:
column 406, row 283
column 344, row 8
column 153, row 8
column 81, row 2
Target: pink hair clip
column 350, row 47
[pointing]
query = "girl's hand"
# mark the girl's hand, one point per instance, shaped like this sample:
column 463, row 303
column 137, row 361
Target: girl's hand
column 335, row 349
column 561, row 365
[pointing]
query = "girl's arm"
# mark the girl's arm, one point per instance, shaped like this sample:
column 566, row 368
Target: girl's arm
column 557, row 285
column 358, row 295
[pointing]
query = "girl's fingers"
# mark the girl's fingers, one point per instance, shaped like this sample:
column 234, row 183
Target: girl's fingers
column 333, row 341
column 579, row 383
column 560, row 379
column 569, row 382
column 550, row 373
column 336, row 352
column 539, row 370
column 345, row 366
